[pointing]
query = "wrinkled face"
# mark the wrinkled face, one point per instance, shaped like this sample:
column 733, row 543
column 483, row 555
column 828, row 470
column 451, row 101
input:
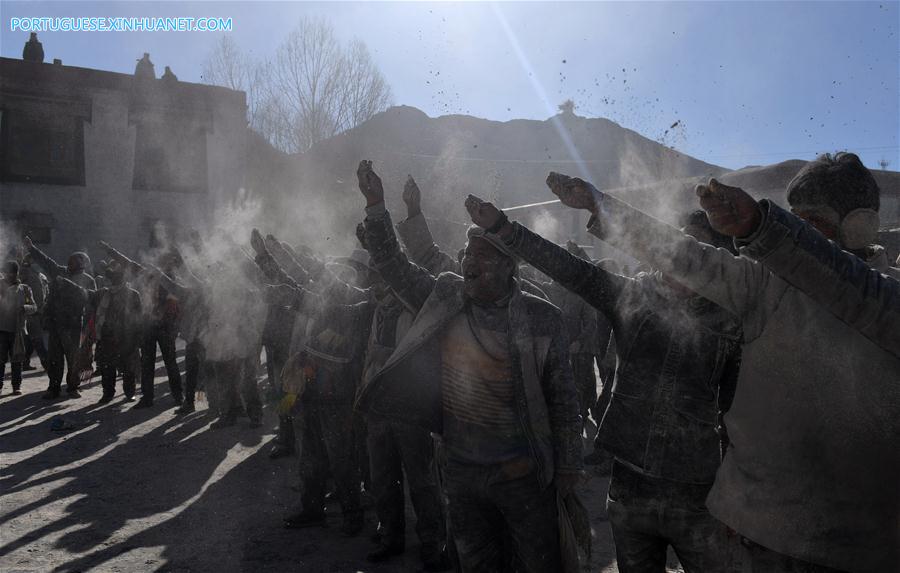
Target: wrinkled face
column 486, row 271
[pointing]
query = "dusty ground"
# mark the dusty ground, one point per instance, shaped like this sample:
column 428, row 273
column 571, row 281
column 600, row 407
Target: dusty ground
column 145, row 490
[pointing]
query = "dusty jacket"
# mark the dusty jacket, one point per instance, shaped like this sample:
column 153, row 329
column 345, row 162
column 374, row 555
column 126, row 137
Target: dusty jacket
column 117, row 316
column 66, row 303
column 672, row 357
column 16, row 301
column 38, row 284
column 813, row 466
column 408, row 387
column 579, row 317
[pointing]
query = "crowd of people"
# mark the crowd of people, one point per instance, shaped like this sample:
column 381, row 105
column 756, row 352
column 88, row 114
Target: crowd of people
column 749, row 412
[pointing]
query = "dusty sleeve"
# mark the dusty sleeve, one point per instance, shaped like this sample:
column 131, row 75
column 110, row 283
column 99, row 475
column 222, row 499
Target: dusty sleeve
column 599, row 288
column 842, row 283
column 47, row 263
column 420, row 245
column 412, row 284
column 737, row 284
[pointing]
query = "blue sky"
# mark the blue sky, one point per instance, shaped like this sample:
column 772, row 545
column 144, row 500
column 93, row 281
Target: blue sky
column 749, row 83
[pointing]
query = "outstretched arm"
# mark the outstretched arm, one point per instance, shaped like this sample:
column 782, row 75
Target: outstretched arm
column 601, row 289
column 410, row 283
column 842, row 283
column 129, row 264
column 52, row 268
column 417, row 238
column 734, row 283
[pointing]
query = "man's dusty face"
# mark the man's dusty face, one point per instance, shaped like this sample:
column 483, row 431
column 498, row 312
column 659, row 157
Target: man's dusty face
column 75, row 264
column 820, row 220
column 486, row 271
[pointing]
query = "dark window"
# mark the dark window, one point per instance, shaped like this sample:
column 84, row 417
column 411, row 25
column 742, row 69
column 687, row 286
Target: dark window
column 42, row 146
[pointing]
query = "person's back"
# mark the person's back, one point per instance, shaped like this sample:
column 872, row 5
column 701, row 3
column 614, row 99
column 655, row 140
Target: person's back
column 813, row 466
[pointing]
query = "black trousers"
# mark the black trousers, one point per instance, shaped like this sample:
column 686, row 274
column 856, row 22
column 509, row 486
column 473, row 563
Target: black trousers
column 237, row 381
column 62, row 352
column 163, row 336
column 34, row 342
column 114, row 359
column 325, row 433
column 194, row 361
column 7, row 339
column 647, row 515
column 502, row 520
column 395, row 450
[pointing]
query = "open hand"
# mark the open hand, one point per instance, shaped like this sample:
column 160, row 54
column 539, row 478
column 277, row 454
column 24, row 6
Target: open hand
column 731, row 210
column 573, row 192
column 483, row 213
column 369, row 183
column 412, row 196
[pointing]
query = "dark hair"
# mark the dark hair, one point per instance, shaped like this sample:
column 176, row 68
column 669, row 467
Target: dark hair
column 11, row 268
column 699, row 219
column 839, row 181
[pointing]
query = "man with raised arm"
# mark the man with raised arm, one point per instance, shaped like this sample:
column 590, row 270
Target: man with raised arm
column 660, row 423
column 161, row 325
column 64, row 315
column 810, row 478
column 485, row 366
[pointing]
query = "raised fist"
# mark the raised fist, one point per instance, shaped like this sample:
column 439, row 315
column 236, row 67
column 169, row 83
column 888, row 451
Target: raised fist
column 483, row 213
column 369, row 183
column 731, row 210
column 412, row 197
column 573, row 192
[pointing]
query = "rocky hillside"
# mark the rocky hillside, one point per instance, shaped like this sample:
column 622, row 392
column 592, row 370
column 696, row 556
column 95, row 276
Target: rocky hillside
column 452, row 156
